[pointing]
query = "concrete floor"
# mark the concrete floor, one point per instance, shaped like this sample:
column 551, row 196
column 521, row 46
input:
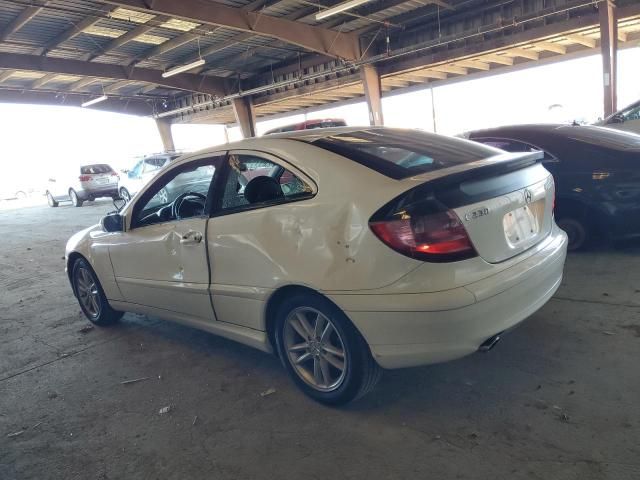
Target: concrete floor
column 557, row 399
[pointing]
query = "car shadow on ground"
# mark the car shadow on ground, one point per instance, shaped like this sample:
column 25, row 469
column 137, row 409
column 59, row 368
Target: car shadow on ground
column 473, row 379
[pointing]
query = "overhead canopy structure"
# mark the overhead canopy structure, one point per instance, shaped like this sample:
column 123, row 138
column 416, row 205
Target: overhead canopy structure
column 264, row 57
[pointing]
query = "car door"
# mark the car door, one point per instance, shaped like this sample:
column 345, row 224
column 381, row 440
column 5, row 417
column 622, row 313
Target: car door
column 252, row 237
column 161, row 259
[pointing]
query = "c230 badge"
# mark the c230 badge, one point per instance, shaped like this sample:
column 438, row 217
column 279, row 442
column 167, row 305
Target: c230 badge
column 481, row 212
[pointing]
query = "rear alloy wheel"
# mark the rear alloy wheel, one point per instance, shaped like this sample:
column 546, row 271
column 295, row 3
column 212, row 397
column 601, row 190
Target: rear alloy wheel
column 51, row 201
column 91, row 297
column 125, row 195
column 325, row 355
column 576, row 232
column 74, row 198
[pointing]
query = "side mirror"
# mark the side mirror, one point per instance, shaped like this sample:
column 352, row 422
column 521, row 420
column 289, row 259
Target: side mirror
column 113, row 222
column 119, row 203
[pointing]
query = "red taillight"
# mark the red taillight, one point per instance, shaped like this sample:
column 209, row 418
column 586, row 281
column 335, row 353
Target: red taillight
column 436, row 236
column 84, row 178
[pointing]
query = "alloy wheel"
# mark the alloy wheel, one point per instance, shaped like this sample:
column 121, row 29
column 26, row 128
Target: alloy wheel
column 88, row 294
column 163, row 196
column 315, row 349
column 126, row 196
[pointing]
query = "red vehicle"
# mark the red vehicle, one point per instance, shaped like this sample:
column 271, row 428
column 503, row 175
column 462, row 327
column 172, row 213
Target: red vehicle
column 309, row 124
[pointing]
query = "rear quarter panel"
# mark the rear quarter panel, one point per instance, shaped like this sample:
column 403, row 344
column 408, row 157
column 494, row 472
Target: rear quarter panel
column 323, row 242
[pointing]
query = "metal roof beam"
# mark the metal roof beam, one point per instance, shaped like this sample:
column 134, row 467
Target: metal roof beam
column 114, row 87
column 244, row 37
column 521, row 52
column 40, row 82
column 127, row 37
column 185, row 81
column 80, row 84
column 335, row 44
column 75, row 30
column 582, row 40
column 148, row 88
column 165, row 47
column 552, row 47
column 19, row 21
column 4, row 76
column 129, row 105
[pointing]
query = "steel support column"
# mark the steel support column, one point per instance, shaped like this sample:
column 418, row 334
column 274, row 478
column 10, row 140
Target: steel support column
column 245, row 116
column 164, row 129
column 372, row 92
column 609, row 46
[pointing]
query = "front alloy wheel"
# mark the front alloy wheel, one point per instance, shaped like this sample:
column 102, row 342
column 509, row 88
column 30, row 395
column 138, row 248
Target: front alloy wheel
column 51, row 201
column 91, row 297
column 323, row 352
column 88, row 295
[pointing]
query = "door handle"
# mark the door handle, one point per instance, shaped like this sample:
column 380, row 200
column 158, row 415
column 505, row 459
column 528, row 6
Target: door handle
column 191, row 237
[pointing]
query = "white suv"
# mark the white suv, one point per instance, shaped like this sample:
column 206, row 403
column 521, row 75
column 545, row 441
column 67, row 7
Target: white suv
column 143, row 171
column 87, row 183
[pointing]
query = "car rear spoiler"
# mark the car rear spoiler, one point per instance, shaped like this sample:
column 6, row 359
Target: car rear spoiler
column 490, row 167
column 448, row 188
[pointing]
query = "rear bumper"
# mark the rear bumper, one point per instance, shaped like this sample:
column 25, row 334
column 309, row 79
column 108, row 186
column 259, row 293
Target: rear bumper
column 108, row 191
column 405, row 330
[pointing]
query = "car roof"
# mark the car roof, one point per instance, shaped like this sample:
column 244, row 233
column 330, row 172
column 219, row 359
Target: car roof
column 606, row 137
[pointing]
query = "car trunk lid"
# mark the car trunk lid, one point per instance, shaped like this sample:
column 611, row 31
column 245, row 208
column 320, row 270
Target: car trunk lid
column 504, row 203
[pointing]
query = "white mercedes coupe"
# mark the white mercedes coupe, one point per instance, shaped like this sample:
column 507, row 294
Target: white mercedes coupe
column 342, row 250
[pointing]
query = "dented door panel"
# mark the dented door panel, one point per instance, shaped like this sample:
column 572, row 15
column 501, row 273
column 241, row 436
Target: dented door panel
column 154, row 265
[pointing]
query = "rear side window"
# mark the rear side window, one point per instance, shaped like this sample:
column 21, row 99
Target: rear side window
column 246, row 168
column 403, row 153
column 92, row 169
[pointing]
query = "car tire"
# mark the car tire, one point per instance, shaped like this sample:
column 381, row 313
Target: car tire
column 125, row 195
column 314, row 361
column 21, row 195
column 51, row 201
column 90, row 295
column 74, row 198
column 576, row 231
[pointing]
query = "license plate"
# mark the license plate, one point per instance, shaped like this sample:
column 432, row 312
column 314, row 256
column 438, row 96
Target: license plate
column 102, row 180
column 523, row 223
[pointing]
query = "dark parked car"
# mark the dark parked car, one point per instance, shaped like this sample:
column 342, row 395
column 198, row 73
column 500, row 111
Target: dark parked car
column 596, row 170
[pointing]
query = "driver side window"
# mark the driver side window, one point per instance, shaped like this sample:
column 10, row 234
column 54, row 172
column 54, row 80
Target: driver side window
column 180, row 193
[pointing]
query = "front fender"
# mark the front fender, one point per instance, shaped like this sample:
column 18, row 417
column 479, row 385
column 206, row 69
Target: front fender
column 92, row 244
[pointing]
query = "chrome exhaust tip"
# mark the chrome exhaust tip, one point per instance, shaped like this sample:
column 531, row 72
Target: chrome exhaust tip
column 490, row 343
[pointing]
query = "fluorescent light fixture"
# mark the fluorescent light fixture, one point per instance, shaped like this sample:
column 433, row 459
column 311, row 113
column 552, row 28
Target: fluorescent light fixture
column 183, row 68
column 94, row 101
column 340, row 8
